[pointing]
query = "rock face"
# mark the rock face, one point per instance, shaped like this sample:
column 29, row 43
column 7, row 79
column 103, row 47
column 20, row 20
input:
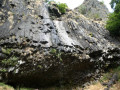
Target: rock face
column 38, row 51
column 93, row 9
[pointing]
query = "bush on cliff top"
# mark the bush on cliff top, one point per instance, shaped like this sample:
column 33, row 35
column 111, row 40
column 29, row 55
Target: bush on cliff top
column 61, row 6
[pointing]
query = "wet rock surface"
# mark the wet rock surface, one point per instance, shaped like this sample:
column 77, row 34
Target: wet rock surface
column 38, row 51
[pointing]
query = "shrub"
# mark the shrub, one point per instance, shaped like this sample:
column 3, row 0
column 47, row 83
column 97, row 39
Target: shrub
column 62, row 7
column 113, row 24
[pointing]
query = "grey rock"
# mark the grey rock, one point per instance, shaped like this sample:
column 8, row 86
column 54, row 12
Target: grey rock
column 54, row 11
column 94, row 9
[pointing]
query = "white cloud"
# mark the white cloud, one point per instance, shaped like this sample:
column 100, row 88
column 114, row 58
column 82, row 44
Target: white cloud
column 75, row 3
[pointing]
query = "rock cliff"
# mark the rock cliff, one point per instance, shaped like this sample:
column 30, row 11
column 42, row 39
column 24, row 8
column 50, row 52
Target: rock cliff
column 36, row 50
column 93, row 9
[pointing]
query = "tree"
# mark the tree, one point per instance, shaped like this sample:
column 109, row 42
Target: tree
column 113, row 3
column 113, row 23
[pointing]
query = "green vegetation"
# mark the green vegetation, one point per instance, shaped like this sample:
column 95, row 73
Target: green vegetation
column 113, row 24
column 5, row 87
column 39, row 66
column 62, row 7
column 113, row 3
column 53, row 51
column 7, row 51
column 3, row 70
column 91, row 34
column 108, row 74
column 56, row 53
column 12, row 61
column 82, row 9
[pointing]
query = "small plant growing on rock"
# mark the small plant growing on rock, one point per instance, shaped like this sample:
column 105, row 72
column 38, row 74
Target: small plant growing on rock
column 39, row 66
column 12, row 61
column 56, row 53
column 91, row 34
column 7, row 51
column 3, row 70
column 53, row 51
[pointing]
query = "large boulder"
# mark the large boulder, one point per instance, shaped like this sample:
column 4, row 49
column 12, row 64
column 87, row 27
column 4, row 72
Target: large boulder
column 39, row 51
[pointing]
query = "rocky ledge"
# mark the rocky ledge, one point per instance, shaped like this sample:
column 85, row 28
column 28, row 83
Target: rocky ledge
column 36, row 50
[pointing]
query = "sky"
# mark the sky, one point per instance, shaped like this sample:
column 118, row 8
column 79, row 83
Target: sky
column 75, row 3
